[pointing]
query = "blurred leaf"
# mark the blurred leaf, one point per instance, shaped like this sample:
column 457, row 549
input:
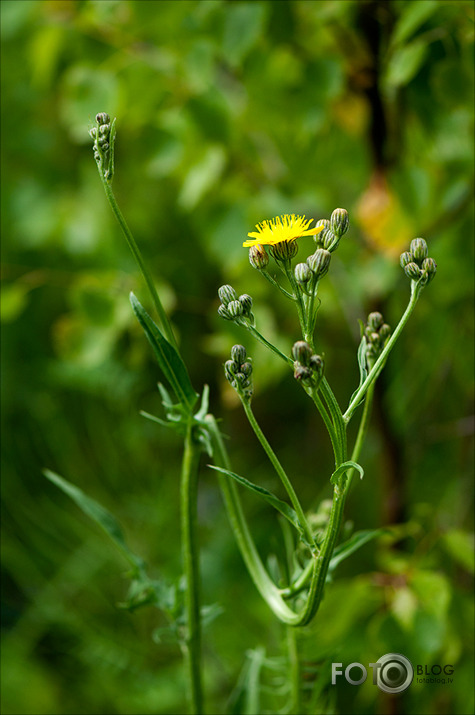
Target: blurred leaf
column 433, row 591
column 202, row 177
column 243, row 26
column 168, row 358
column 13, row 301
column 270, row 498
column 413, row 15
column 405, row 63
column 404, row 607
column 96, row 512
column 86, row 91
column 460, row 546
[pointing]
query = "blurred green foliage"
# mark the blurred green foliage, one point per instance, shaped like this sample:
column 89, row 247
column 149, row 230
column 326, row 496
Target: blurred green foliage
column 229, row 113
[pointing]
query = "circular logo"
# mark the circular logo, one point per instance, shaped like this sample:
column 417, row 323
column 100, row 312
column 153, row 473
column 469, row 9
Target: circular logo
column 395, row 673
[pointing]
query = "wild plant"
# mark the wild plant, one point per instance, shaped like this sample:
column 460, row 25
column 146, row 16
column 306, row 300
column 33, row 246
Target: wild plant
column 312, row 547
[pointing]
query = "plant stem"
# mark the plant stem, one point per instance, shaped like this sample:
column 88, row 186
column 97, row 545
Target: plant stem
column 265, row 342
column 188, row 503
column 294, row 666
column 276, row 284
column 165, row 323
column 379, row 364
column 280, row 471
column 360, row 437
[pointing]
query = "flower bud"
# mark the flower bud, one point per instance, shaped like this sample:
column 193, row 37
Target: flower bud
column 224, row 313
column 419, row 250
column 227, row 294
column 302, row 352
column 384, row 332
column 238, row 354
column 302, row 273
column 229, row 370
column 285, row 250
column 103, row 118
column 246, row 302
column 317, row 364
column 413, row 271
column 375, row 320
column 303, row 373
column 93, row 132
column 258, row 257
column 339, row 222
column 429, row 267
column 235, row 309
column 246, row 368
column 104, row 129
column 406, row 258
column 319, row 262
column 318, row 237
column 104, row 145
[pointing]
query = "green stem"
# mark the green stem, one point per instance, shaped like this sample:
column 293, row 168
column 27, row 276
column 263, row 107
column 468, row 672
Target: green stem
column 362, row 431
column 379, row 364
column 265, row 342
column 190, row 550
column 276, row 284
column 294, row 666
column 297, row 292
column 280, row 471
column 165, row 323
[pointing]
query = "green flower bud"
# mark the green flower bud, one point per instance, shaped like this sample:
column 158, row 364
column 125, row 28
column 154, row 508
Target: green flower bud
column 319, row 262
column 246, row 302
column 429, row 267
column 285, row 250
column 384, row 332
column 103, row 118
column 374, row 339
column 302, row 352
column 375, row 320
column 235, row 309
column 227, row 294
column 246, row 369
column 229, row 370
column 224, row 313
column 419, row 250
column 104, row 145
column 339, row 222
column 318, row 237
column 302, row 273
column 238, row 354
column 93, row 132
column 406, row 258
column 258, row 257
column 413, row 271
column 104, row 129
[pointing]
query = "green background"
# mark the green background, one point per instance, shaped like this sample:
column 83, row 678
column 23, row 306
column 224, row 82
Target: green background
column 229, row 113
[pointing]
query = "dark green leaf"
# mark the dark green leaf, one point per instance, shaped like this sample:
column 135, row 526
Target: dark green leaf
column 270, row 498
column 168, row 358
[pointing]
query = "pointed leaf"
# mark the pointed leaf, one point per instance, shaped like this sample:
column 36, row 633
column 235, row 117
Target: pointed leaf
column 167, row 356
column 344, row 468
column 355, row 542
column 98, row 513
column 270, row 498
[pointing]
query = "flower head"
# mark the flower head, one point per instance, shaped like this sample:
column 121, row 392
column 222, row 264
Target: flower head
column 280, row 229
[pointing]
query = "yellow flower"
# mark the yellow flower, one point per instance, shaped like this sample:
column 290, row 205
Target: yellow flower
column 280, row 229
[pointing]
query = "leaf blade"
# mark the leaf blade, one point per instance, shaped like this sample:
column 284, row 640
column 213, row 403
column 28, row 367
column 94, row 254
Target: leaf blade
column 167, row 356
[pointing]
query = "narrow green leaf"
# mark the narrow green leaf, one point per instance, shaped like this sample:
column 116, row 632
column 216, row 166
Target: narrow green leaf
column 344, row 467
column 98, row 513
column 411, row 18
column 355, row 542
column 168, row 358
column 270, row 498
column 405, row 63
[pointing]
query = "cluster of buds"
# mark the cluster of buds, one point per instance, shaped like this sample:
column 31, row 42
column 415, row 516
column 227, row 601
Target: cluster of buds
column 308, row 274
column 333, row 230
column 308, row 367
column 233, row 307
column 104, row 135
column 376, row 333
column 238, row 371
column 416, row 263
